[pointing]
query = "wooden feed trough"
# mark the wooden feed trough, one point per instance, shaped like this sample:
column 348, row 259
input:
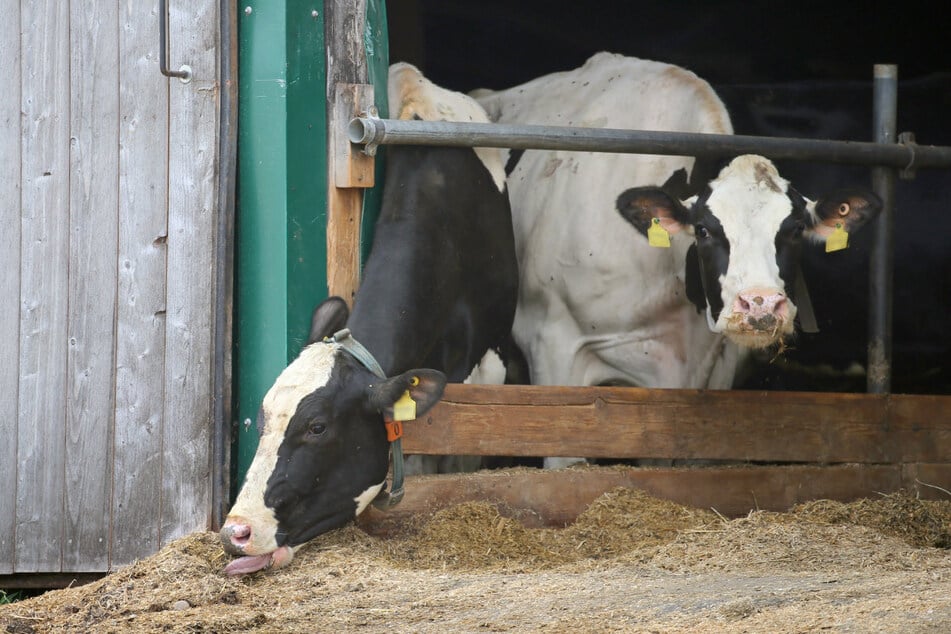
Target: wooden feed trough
column 783, row 448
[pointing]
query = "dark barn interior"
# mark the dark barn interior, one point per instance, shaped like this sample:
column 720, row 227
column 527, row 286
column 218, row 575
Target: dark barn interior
column 464, row 44
column 787, row 69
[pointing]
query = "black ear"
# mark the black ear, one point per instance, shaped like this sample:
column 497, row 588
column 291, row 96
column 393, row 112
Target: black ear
column 640, row 205
column 677, row 185
column 694, row 281
column 425, row 388
column 850, row 207
column 329, row 317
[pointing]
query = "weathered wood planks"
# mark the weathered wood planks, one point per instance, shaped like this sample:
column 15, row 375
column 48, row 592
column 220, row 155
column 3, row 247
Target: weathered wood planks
column 834, row 446
column 555, row 498
column 10, row 279
column 91, row 315
column 108, row 254
column 192, row 222
column 346, row 64
column 44, row 290
column 604, row 422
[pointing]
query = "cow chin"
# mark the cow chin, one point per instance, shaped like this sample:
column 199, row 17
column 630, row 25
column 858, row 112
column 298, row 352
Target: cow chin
column 758, row 335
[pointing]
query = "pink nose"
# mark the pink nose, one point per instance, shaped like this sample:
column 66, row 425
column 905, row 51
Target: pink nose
column 762, row 308
column 235, row 535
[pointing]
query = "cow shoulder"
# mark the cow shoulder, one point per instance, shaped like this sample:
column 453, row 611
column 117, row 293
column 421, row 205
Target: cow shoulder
column 412, row 96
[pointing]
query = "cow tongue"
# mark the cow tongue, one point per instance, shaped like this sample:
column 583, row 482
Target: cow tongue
column 246, row 565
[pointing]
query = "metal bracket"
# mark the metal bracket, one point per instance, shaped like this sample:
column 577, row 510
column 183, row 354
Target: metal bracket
column 350, row 167
column 369, row 147
column 909, row 171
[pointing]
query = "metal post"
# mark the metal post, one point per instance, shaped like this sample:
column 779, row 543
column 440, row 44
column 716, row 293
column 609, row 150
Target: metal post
column 884, row 117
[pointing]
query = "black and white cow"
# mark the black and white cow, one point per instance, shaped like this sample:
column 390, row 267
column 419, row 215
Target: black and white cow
column 597, row 304
column 438, row 291
column 834, row 357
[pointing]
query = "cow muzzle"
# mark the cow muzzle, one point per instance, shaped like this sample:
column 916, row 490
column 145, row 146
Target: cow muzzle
column 760, row 317
column 237, row 539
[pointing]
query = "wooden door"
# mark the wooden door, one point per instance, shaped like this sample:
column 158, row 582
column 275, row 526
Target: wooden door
column 108, row 208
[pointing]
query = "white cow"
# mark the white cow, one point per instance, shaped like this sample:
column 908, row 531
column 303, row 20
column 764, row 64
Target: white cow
column 598, row 305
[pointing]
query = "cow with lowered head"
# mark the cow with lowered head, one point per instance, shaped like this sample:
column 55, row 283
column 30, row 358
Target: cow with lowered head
column 436, row 301
column 648, row 270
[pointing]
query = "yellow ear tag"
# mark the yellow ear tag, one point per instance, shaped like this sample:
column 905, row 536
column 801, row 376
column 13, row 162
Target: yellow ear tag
column 404, row 408
column 838, row 240
column 657, row 236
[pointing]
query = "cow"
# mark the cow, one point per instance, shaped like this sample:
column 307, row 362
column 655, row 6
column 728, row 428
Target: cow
column 436, row 300
column 598, row 305
column 834, row 357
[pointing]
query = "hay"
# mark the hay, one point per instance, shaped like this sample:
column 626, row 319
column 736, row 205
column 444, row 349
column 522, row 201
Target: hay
column 629, row 563
column 921, row 523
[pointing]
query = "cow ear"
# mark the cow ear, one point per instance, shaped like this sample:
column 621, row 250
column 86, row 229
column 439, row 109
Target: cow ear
column 850, row 208
column 425, row 387
column 329, row 317
column 640, row 205
column 693, row 280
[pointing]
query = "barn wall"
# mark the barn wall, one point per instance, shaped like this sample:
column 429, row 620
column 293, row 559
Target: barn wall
column 108, row 206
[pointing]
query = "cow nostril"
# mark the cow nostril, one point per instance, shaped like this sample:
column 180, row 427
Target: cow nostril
column 237, row 535
column 780, row 306
column 760, row 302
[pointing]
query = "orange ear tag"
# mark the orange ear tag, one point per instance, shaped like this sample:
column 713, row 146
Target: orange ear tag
column 404, row 408
column 657, row 236
column 838, row 240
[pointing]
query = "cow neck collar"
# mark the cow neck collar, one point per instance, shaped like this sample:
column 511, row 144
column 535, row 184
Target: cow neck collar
column 385, row 499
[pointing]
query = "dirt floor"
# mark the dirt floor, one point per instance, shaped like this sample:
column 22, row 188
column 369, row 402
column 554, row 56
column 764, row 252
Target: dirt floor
column 630, row 563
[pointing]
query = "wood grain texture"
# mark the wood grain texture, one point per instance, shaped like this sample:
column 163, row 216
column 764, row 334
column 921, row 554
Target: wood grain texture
column 44, row 285
column 192, row 218
column 346, row 64
column 110, row 325
column 602, row 422
column 555, row 498
column 350, row 166
column 93, row 229
column 141, row 308
column 10, row 159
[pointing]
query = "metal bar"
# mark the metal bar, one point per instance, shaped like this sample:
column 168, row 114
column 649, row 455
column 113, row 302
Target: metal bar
column 884, row 117
column 371, row 132
column 185, row 72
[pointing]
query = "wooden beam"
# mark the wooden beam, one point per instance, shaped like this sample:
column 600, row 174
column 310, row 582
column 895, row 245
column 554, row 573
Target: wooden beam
column 346, row 65
column 602, row 422
column 539, row 497
column 350, row 166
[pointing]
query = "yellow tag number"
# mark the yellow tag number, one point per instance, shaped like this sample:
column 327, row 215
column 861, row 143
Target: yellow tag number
column 838, row 240
column 404, row 408
column 657, row 236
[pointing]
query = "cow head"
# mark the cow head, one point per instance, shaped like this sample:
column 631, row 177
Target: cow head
column 323, row 453
column 747, row 225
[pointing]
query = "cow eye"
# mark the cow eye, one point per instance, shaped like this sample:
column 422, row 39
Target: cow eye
column 702, row 232
column 316, row 429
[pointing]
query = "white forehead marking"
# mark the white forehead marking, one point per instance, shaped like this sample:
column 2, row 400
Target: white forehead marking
column 749, row 198
column 411, row 95
column 308, row 372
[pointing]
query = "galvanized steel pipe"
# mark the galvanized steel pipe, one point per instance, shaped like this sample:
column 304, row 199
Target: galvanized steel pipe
column 371, row 131
column 881, row 276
